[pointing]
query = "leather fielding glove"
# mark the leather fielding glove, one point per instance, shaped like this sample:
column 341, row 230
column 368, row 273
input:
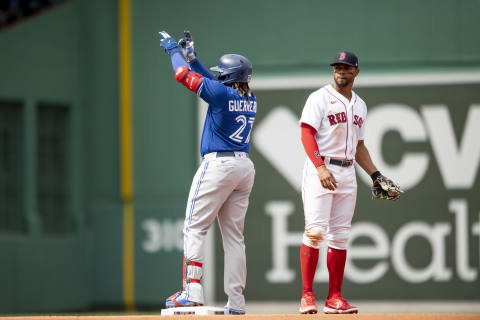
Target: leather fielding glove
column 384, row 188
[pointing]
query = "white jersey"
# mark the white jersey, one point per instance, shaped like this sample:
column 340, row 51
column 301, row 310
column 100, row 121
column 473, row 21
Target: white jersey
column 339, row 123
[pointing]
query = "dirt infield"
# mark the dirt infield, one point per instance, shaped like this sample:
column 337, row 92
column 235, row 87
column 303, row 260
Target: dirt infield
column 404, row 316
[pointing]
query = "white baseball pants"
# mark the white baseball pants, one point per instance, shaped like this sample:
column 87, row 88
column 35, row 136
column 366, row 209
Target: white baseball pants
column 220, row 189
column 329, row 211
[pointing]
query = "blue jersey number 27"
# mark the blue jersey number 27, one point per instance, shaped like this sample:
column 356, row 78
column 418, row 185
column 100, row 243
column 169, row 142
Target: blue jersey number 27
column 237, row 136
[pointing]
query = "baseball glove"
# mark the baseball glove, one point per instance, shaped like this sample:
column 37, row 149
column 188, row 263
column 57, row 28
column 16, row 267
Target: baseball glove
column 385, row 189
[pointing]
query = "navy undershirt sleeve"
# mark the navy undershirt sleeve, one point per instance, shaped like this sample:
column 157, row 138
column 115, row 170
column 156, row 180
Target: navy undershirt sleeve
column 197, row 66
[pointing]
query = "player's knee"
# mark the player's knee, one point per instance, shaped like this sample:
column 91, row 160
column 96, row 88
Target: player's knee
column 308, row 243
column 340, row 244
column 313, row 237
column 317, row 234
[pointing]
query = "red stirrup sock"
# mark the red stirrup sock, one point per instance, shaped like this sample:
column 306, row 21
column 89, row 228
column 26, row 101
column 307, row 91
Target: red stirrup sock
column 308, row 263
column 336, row 265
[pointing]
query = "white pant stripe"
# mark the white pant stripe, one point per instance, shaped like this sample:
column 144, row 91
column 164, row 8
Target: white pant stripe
column 192, row 206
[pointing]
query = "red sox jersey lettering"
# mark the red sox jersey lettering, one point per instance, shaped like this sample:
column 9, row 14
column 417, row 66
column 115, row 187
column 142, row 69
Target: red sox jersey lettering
column 337, row 118
column 342, row 117
column 358, row 121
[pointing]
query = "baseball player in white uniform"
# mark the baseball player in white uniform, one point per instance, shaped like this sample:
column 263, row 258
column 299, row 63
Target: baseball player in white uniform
column 333, row 130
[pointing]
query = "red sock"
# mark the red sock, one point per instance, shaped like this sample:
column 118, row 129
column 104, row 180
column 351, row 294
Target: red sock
column 336, row 265
column 308, row 263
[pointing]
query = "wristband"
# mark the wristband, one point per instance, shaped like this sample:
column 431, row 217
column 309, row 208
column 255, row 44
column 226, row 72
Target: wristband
column 375, row 175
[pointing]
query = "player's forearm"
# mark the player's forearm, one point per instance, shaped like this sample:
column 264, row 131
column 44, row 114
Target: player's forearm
column 362, row 157
column 178, row 60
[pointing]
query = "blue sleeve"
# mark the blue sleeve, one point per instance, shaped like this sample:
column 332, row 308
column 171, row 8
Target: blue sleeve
column 198, row 67
column 213, row 92
column 178, row 61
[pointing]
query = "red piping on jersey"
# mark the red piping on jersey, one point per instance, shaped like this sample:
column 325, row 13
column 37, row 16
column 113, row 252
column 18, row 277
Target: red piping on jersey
column 352, row 120
column 346, row 115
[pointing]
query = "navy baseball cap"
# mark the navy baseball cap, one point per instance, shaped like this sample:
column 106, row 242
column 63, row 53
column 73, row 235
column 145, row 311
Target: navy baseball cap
column 345, row 57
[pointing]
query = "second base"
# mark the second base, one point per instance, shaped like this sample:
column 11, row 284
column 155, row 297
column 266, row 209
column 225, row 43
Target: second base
column 180, row 311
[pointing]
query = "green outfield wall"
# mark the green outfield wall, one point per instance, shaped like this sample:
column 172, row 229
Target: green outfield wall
column 61, row 214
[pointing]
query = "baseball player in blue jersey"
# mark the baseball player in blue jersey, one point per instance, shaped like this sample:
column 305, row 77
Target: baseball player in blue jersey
column 224, row 180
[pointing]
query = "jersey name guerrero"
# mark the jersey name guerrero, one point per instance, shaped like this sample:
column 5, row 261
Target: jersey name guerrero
column 242, row 105
column 339, row 123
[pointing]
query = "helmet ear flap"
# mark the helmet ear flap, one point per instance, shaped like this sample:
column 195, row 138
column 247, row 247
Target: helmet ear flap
column 221, row 77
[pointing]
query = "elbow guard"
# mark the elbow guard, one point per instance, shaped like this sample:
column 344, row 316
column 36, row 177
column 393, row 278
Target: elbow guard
column 188, row 78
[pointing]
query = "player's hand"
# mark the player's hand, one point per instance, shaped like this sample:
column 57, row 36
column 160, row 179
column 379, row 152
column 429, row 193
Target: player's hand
column 168, row 43
column 326, row 178
column 187, row 47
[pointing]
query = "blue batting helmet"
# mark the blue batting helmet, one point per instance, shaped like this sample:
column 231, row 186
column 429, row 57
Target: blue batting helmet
column 233, row 68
